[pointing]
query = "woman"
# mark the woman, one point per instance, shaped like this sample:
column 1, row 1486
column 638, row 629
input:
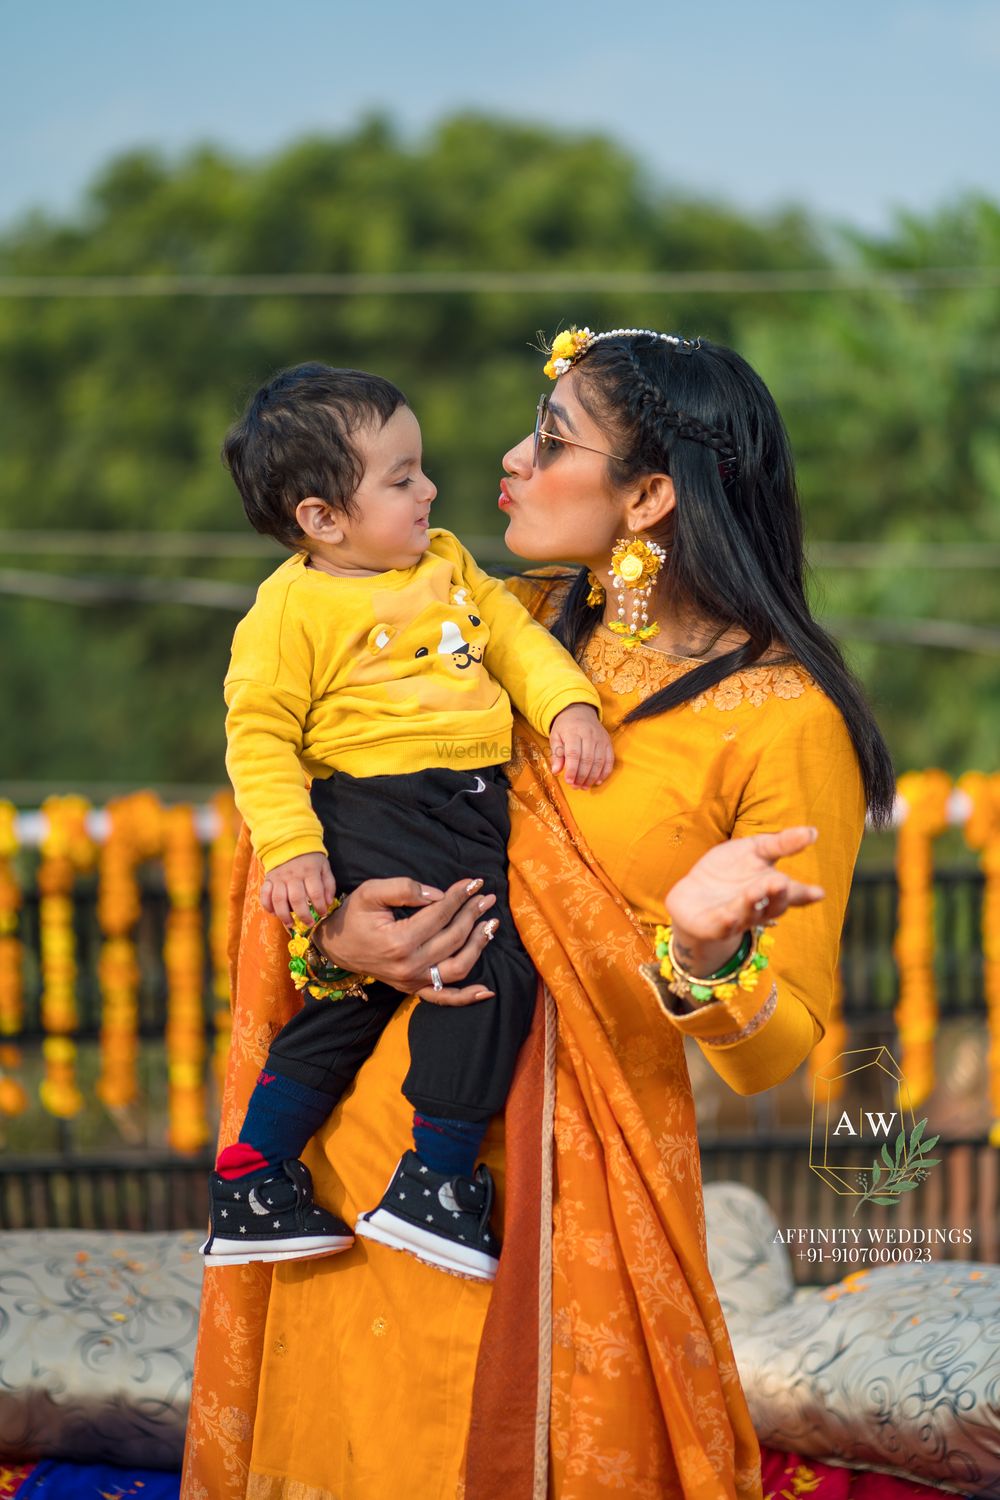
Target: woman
column 601, row 1359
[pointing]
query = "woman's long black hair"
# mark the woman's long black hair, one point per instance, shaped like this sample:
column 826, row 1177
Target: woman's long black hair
column 734, row 538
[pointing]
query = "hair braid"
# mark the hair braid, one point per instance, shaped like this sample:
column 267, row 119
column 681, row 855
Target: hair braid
column 650, row 402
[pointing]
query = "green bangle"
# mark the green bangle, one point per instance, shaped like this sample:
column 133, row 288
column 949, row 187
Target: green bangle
column 738, row 959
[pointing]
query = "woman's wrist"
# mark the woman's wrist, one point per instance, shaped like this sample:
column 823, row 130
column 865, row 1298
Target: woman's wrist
column 324, row 936
column 705, row 959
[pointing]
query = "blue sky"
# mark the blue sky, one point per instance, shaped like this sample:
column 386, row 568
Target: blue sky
column 854, row 108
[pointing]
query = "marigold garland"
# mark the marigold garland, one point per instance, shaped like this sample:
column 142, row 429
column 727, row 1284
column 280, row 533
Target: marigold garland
column 982, row 833
column 13, row 1098
column 220, row 869
column 66, row 850
column 187, row 1128
column 133, row 836
column 926, row 795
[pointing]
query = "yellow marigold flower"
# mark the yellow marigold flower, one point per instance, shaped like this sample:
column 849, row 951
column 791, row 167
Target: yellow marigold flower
column 298, row 947
column 666, row 971
column 747, row 980
column 766, row 942
column 564, row 345
column 727, row 992
column 550, row 370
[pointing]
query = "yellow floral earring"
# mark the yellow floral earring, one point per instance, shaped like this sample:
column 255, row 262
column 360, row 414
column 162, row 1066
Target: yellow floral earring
column 595, row 594
column 634, row 566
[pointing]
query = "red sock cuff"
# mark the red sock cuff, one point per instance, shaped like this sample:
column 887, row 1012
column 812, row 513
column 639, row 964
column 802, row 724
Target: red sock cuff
column 237, row 1161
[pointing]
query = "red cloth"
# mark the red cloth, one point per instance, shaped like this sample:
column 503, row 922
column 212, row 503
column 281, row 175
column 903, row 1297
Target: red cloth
column 787, row 1476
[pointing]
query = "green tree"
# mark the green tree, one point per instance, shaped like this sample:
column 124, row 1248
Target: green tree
column 113, row 408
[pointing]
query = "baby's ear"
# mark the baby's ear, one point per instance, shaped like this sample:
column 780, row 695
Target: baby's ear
column 319, row 520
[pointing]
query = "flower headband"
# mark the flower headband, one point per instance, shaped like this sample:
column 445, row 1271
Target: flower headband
column 569, row 346
column 573, row 343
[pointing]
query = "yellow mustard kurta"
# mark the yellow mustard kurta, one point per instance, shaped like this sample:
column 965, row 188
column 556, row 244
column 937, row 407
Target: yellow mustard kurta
column 365, row 1360
column 762, row 751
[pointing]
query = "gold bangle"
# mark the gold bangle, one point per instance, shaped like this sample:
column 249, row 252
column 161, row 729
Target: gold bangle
column 312, row 971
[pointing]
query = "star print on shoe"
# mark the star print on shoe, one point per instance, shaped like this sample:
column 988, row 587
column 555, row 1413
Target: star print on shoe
column 444, row 1221
column 299, row 1231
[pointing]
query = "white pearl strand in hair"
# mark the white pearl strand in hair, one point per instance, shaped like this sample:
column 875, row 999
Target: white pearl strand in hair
column 562, row 365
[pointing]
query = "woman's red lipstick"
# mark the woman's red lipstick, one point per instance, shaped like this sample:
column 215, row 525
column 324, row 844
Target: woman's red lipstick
column 505, row 495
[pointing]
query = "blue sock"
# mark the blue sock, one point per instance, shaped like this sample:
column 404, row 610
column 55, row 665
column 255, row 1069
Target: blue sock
column 280, row 1118
column 447, row 1146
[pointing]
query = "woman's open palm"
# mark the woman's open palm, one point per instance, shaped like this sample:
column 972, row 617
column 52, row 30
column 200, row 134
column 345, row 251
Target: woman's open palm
column 722, row 894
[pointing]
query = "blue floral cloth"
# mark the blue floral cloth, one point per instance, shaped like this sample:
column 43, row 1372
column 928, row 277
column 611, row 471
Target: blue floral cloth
column 54, row 1480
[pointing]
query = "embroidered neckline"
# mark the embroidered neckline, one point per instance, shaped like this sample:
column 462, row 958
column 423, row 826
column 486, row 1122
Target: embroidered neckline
column 644, row 670
column 628, row 669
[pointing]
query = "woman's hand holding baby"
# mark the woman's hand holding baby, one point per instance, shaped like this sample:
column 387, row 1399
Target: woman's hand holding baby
column 446, row 930
column 581, row 746
column 296, row 886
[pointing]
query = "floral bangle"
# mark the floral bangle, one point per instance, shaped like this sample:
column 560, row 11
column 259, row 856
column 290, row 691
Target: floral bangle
column 313, row 972
column 739, row 974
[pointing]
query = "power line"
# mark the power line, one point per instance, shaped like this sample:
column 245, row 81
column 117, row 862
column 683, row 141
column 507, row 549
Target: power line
column 60, row 588
column 440, row 283
column 140, row 544
column 64, row 588
column 233, row 544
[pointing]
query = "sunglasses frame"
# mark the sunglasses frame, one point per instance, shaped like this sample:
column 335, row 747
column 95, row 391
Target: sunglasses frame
column 556, row 437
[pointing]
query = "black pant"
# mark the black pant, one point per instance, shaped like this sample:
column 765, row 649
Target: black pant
column 434, row 826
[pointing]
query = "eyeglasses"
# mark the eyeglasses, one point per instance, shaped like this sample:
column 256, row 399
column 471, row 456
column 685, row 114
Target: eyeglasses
column 541, row 437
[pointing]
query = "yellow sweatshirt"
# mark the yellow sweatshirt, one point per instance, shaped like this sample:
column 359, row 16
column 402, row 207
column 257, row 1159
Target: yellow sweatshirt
column 396, row 672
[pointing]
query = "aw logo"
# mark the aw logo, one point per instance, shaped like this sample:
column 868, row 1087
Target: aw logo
column 874, row 1155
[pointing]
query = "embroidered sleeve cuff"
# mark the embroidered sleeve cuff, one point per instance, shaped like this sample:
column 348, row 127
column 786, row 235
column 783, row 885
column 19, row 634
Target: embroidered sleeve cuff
column 716, row 1023
column 751, row 1046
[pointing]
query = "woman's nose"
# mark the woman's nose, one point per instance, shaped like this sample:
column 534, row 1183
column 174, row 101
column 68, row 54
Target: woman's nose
column 517, row 460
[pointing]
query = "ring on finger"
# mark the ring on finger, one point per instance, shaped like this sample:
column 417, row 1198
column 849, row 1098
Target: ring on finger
column 762, row 904
column 436, row 979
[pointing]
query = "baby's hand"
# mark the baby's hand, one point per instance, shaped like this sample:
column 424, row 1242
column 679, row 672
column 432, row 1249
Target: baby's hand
column 582, row 745
column 292, row 886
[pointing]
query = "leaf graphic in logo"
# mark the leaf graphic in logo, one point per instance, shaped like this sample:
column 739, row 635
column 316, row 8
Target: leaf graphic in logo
column 907, row 1168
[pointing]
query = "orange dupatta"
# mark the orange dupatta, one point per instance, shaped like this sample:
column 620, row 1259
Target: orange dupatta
column 645, row 1394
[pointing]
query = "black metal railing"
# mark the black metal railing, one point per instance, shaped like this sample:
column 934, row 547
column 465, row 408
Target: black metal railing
column 869, row 971
column 80, row 1182
column 955, row 1215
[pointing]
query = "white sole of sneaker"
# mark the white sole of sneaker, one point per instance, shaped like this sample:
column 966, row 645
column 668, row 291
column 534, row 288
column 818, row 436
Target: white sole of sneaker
column 434, row 1250
column 247, row 1253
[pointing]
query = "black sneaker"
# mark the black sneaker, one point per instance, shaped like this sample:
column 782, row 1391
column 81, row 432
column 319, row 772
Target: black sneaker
column 273, row 1217
column 442, row 1220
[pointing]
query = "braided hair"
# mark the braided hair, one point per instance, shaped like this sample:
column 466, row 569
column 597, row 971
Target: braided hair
column 698, row 412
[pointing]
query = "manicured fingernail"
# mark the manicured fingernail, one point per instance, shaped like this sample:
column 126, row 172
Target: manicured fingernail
column 483, row 903
column 491, row 929
column 427, row 893
column 485, row 995
column 472, row 887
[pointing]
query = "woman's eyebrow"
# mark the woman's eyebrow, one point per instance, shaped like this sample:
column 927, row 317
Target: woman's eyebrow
column 560, row 415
